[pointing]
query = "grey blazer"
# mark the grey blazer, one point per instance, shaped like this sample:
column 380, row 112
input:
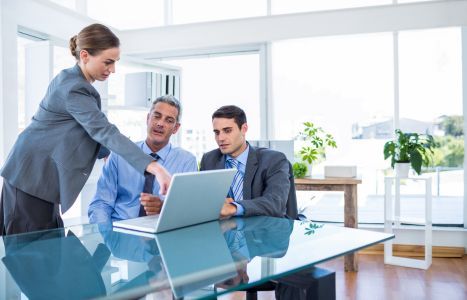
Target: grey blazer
column 53, row 157
column 266, row 184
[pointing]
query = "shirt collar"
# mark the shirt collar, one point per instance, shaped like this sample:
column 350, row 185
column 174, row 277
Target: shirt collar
column 163, row 153
column 243, row 157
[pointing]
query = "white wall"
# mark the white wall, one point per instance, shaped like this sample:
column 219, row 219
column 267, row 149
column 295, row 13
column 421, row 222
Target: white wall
column 46, row 17
column 189, row 38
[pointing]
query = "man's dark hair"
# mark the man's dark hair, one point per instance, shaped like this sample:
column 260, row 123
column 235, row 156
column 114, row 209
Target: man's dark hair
column 231, row 112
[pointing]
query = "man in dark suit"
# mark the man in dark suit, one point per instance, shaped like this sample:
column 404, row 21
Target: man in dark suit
column 262, row 183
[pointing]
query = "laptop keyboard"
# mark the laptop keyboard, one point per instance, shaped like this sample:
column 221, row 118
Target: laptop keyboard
column 149, row 221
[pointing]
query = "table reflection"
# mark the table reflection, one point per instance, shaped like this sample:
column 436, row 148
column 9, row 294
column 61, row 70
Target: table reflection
column 251, row 237
column 50, row 265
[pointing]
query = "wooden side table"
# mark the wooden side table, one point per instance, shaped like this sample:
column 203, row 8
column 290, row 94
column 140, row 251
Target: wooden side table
column 349, row 187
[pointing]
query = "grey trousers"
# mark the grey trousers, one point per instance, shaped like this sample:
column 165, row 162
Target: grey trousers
column 21, row 212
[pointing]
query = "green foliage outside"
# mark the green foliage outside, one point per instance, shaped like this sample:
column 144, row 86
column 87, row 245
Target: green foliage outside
column 453, row 125
column 450, row 151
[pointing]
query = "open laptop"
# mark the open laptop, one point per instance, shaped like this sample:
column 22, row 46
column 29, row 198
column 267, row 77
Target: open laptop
column 192, row 198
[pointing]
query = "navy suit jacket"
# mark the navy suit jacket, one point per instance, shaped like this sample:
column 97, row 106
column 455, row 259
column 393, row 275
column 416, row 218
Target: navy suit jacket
column 266, row 184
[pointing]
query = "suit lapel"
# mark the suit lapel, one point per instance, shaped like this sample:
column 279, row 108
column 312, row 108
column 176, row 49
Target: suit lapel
column 220, row 161
column 250, row 171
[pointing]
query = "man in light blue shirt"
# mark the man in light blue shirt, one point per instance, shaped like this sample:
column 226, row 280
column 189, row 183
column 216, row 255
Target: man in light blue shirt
column 119, row 192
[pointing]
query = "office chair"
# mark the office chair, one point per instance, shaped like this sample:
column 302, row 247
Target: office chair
column 291, row 213
column 320, row 284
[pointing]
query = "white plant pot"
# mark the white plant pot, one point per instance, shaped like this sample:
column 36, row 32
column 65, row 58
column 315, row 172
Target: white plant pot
column 308, row 169
column 402, row 170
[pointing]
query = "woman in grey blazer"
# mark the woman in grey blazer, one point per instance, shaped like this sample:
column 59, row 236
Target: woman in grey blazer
column 53, row 157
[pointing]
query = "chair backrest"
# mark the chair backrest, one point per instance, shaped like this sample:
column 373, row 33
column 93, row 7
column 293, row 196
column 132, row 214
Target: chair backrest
column 291, row 206
column 284, row 146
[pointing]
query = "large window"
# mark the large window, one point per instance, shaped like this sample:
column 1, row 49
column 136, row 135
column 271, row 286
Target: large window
column 22, row 42
column 62, row 59
column 431, row 102
column 345, row 85
column 208, row 83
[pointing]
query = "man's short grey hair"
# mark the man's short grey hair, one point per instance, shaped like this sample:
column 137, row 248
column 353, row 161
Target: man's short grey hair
column 170, row 100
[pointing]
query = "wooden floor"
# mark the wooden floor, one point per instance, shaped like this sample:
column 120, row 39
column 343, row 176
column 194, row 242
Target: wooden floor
column 446, row 279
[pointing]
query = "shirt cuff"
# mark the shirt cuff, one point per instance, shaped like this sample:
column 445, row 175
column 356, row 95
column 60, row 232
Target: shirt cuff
column 240, row 209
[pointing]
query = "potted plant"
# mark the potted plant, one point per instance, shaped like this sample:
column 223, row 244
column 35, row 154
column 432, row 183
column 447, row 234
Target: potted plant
column 316, row 140
column 409, row 149
column 299, row 169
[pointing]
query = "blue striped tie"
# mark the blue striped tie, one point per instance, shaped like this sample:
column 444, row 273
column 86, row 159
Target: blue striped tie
column 236, row 189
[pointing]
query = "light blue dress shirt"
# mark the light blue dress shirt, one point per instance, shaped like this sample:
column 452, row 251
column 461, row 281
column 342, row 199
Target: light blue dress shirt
column 120, row 185
column 242, row 159
column 237, row 242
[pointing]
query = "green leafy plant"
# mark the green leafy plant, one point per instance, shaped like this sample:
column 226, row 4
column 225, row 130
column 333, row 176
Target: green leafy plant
column 413, row 148
column 299, row 169
column 316, row 142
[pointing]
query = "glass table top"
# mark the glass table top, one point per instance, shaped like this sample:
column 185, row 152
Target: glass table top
column 202, row 261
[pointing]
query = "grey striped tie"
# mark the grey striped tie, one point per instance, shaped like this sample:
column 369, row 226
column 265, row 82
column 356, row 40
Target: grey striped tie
column 148, row 183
